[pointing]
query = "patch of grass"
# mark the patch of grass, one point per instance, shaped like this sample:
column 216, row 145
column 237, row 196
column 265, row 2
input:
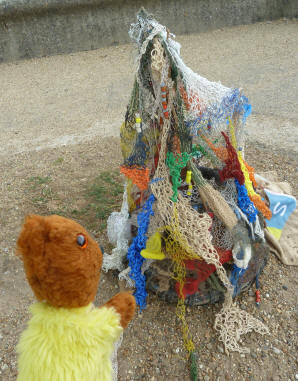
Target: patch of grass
column 45, row 195
column 36, row 181
column 58, row 161
column 101, row 197
column 58, row 212
column 79, row 212
column 41, row 191
column 104, row 195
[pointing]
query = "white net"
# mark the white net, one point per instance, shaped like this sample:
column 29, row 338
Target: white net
column 118, row 228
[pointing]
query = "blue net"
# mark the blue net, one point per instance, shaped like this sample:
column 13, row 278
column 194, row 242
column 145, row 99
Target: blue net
column 134, row 253
column 244, row 202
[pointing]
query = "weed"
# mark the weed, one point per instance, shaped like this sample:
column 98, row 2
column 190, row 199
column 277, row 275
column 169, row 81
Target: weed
column 41, row 191
column 58, row 161
column 104, row 195
column 39, row 180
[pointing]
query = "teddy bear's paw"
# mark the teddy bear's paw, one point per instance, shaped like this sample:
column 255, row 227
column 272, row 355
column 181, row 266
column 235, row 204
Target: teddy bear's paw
column 124, row 303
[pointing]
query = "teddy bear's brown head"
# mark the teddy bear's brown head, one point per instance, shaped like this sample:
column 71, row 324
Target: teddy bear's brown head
column 62, row 262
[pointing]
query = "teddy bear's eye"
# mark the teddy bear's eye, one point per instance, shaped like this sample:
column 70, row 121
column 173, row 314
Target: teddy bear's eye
column 81, row 240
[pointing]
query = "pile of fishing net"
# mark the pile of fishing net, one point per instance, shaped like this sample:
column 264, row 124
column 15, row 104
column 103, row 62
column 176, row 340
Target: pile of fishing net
column 191, row 227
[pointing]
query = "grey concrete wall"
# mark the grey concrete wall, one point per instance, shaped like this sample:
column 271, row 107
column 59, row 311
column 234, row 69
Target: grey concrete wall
column 36, row 28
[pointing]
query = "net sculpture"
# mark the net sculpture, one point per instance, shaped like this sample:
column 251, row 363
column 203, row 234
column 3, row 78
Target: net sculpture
column 191, row 227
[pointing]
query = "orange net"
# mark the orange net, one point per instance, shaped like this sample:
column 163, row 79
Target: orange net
column 261, row 205
column 220, row 152
column 191, row 99
column 138, row 175
column 251, row 172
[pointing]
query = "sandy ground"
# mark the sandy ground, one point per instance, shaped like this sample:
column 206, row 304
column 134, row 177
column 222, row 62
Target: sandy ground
column 59, row 119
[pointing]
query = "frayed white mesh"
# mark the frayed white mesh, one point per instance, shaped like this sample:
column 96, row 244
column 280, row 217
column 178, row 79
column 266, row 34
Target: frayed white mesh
column 258, row 231
column 119, row 234
column 124, row 274
column 211, row 102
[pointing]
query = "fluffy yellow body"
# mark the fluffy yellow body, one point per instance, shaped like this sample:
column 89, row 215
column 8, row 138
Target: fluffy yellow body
column 62, row 344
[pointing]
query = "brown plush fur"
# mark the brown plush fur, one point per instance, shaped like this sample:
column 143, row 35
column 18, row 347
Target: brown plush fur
column 59, row 270
column 125, row 304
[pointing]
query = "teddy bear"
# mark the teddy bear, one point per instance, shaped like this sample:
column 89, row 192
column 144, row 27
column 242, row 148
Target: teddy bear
column 67, row 337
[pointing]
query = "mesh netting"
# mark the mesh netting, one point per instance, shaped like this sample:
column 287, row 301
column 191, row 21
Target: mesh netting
column 182, row 143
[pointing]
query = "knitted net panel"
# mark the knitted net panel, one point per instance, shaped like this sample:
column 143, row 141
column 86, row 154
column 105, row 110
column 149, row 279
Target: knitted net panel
column 232, row 322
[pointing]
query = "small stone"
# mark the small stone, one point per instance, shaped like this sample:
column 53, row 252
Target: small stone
column 206, row 378
column 284, row 287
column 296, row 376
column 220, row 348
column 267, row 295
column 209, row 346
column 253, row 355
column 4, row 367
column 276, row 351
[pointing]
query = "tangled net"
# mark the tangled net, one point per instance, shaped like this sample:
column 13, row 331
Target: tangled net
column 182, row 143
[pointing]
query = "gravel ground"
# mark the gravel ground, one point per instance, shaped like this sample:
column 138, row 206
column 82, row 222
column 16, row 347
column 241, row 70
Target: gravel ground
column 71, row 152
column 156, row 350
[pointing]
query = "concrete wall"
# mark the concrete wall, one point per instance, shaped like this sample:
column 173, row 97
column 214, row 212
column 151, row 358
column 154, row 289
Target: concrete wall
column 36, row 28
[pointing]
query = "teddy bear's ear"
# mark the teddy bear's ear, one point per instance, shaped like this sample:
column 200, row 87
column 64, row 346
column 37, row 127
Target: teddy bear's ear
column 32, row 237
